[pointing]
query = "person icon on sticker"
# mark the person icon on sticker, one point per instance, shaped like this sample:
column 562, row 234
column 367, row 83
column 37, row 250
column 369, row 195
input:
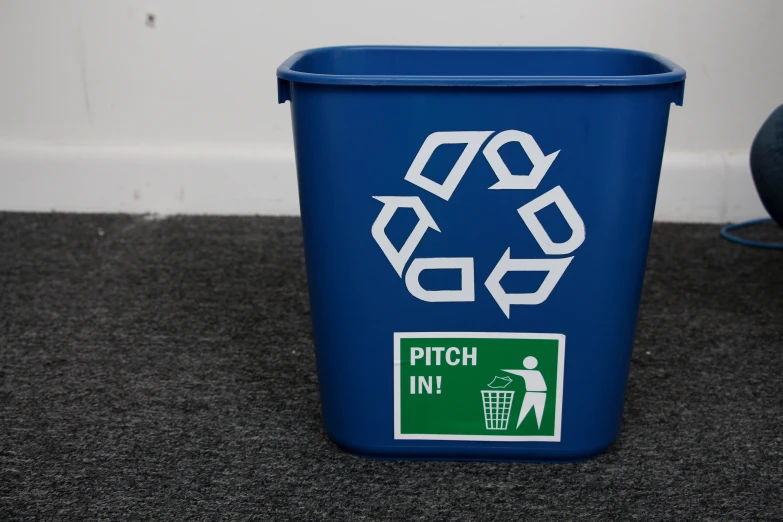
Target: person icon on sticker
column 535, row 390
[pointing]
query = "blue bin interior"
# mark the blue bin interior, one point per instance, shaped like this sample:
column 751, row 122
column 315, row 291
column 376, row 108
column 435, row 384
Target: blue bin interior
column 517, row 65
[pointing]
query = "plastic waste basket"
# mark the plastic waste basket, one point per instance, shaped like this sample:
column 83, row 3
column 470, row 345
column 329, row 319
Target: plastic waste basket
column 476, row 225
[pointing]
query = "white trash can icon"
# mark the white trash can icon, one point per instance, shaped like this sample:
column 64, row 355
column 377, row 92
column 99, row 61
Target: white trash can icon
column 497, row 404
column 497, row 408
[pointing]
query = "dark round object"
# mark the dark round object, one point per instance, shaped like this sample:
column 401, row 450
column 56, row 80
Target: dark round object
column 766, row 165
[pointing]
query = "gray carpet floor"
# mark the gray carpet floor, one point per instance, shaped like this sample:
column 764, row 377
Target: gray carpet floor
column 162, row 369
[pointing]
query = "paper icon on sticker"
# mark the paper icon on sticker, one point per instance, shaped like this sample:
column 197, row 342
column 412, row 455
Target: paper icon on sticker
column 499, row 382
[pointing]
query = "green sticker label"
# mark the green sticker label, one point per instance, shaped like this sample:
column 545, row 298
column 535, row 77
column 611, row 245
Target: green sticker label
column 478, row 386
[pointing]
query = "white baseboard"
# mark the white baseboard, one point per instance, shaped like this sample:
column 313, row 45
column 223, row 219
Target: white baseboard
column 711, row 187
column 707, row 187
column 196, row 179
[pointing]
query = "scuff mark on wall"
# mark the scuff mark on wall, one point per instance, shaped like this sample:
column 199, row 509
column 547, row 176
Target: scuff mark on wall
column 81, row 56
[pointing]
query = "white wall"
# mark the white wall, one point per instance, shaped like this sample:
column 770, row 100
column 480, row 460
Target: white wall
column 99, row 111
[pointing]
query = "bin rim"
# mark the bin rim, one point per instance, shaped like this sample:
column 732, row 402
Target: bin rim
column 672, row 73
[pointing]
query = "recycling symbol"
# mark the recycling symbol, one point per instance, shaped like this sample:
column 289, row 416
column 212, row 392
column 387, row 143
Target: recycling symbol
column 554, row 266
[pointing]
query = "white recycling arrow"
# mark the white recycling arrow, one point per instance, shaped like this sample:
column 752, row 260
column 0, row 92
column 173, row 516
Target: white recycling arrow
column 558, row 197
column 554, row 267
column 507, row 180
column 466, row 292
column 472, row 141
column 398, row 258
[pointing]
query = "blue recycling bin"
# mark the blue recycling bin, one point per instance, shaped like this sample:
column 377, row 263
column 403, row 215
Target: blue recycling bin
column 476, row 224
